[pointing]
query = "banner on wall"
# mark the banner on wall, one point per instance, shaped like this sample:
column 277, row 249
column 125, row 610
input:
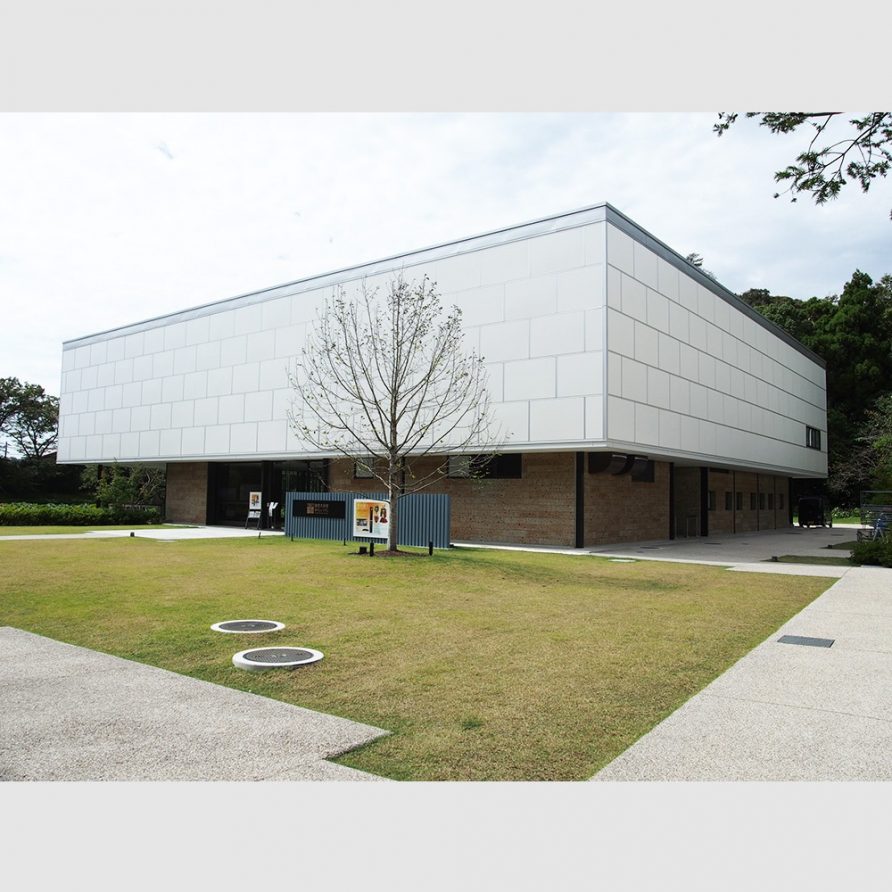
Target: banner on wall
column 371, row 518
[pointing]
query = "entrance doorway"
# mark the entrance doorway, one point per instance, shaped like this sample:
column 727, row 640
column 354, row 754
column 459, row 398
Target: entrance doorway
column 687, row 502
column 230, row 485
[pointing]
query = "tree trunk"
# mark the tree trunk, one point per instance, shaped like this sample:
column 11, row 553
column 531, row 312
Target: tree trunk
column 393, row 496
column 392, row 533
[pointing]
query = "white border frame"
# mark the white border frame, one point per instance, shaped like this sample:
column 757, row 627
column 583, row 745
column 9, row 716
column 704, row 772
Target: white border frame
column 240, row 662
column 278, row 627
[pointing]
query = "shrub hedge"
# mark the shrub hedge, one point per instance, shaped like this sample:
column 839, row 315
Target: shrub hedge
column 31, row 514
column 873, row 551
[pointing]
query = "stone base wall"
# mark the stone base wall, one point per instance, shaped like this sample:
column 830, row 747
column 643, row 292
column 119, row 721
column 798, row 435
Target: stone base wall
column 620, row 509
column 540, row 507
column 187, row 492
column 537, row 509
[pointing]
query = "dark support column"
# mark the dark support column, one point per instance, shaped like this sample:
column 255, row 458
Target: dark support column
column 734, row 501
column 672, row 500
column 704, row 501
column 266, row 483
column 758, row 505
column 580, row 499
column 790, row 500
column 213, row 471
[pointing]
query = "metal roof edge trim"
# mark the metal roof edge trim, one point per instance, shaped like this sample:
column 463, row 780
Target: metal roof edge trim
column 643, row 237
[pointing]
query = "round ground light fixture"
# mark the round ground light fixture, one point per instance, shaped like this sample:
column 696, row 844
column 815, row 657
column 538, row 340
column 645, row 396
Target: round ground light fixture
column 260, row 658
column 247, row 626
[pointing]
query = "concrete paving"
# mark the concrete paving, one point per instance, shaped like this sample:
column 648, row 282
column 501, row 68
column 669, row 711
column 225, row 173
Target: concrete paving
column 747, row 553
column 786, row 711
column 75, row 714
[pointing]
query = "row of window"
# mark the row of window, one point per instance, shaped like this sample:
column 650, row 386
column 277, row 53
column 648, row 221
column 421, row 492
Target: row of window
column 734, row 501
column 490, row 467
column 502, row 467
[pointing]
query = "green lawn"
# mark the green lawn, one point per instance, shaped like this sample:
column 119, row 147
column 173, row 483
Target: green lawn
column 483, row 664
column 47, row 530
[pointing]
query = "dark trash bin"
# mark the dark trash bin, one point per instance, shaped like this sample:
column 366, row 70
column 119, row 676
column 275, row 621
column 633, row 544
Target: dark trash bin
column 811, row 512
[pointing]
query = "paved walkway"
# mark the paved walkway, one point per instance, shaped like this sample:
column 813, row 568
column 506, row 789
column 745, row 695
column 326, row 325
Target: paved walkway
column 75, row 714
column 750, row 553
column 786, row 711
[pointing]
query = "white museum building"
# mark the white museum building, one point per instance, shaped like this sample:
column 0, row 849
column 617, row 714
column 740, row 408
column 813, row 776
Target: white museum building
column 641, row 399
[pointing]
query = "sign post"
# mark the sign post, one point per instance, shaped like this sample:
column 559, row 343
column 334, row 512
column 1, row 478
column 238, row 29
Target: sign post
column 255, row 500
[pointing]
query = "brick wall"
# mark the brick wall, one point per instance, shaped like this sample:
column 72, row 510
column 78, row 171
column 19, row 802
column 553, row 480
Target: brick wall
column 537, row 509
column 540, row 508
column 620, row 509
column 187, row 492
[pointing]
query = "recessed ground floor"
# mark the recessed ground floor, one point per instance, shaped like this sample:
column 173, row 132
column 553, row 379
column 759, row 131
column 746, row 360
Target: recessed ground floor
column 570, row 499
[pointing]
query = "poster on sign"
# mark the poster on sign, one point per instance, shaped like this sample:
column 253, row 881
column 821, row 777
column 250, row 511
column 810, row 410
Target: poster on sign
column 254, row 499
column 371, row 518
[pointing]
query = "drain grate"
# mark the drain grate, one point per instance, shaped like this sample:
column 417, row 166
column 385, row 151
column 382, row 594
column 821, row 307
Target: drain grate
column 239, row 626
column 261, row 658
column 806, row 641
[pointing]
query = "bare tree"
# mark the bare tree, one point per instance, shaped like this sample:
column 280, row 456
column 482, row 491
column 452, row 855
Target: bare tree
column 387, row 382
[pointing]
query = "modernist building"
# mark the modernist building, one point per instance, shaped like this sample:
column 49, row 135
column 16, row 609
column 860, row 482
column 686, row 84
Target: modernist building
column 642, row 399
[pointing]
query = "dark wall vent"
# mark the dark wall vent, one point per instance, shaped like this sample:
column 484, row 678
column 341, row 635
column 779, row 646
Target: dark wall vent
column 608, row 463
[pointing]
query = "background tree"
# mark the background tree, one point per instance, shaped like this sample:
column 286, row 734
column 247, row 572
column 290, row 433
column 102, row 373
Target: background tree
column 120, row 485
column 388, row 384
column 822, row 170
column 35, row 427
column 696, row 260
column 29, row 416
column 852, row 332
column 10, row 400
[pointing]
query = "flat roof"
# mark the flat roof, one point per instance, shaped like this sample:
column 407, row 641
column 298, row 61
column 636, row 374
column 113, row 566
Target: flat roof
column 598, row 213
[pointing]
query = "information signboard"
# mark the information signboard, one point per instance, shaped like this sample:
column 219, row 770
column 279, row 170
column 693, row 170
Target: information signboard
column 307, row 508
column 371, row 518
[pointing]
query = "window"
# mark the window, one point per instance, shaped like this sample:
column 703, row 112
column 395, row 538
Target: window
column 752, row 501
column 363, row 471
column 491, row 467
column 761, row 501
column 711, row 495
column 812, row 437
column 459, row 466
column 771, row 501
column 728, row 497
column 643, row 472
column 739, row 500
column 780, row 501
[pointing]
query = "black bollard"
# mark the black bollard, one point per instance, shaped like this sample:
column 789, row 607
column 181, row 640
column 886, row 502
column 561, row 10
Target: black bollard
column 430, row 548
column 371, row 549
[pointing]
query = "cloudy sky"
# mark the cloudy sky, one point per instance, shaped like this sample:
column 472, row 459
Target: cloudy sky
column 110, row 219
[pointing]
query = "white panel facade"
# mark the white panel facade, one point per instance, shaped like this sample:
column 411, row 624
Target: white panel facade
column 213, row 382
column 593, row 333
column 692, row 376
